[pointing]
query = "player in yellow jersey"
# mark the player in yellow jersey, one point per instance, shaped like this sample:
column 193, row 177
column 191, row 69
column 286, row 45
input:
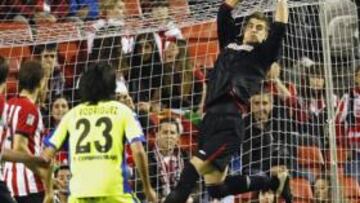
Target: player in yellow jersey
column 96, row 131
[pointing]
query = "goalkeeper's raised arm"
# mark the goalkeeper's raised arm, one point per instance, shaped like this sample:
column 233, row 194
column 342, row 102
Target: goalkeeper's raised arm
column 282, row 11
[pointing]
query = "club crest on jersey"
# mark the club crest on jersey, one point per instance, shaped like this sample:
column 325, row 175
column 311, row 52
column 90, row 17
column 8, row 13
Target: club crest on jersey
column 30, row 119
column 244, row 47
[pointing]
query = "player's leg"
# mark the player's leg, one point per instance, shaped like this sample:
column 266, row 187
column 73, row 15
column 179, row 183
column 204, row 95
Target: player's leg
column 220, row 186
column 198, row 164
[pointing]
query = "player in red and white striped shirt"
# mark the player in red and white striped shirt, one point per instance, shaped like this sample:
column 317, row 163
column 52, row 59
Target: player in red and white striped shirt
column 7, row 154
column 348, row 127
column 24, row 134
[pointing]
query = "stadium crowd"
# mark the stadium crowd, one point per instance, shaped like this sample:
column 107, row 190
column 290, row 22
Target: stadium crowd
column 286, row 124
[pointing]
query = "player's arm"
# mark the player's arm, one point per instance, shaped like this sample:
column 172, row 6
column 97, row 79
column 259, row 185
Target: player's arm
column 44, row 171
column 134, row 135
column 272, row 46
column 21, row 153
column 141, row 162
column 15, row 156
column 282, row 11
column 52, row 144
column 227, row 30
column 20, row 144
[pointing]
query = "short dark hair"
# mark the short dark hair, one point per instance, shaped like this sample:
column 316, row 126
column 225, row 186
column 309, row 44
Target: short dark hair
column 172, row 121
column 98, row 83
column 30, row 75
column 4, row 69
column 62, row 167
column 107, row 50
column 259, row 16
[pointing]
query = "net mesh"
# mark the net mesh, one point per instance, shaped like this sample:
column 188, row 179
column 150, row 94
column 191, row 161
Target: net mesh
column 311, row 117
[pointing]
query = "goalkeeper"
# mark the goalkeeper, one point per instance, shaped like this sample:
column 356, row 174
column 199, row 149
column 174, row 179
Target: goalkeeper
column 237, row 75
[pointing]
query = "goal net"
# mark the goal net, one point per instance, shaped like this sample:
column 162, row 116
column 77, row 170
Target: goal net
column 305, row 120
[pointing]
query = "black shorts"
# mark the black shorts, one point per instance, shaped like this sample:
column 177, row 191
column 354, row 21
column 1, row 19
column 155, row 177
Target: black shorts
column 220, row 137
column 33, row 198
column 5, row 196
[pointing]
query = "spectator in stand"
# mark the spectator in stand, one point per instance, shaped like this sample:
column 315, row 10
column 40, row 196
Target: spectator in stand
column 181, row 86
column 285, row 95
column 62, row 177
column 158, row 13
column 43, row 17
column 283, row 122
column 84, row 9
column 146, row 71
column 166, row 159
column 257, row 142
column 322, row 191
column 348, row 127
column 313, row 104
column 59, row 8
column 48, row 57
column 113, row 10
column 263, row 149
column 113, row 13
column 26, row 136
column 11, row 9
column 59, row 107
column 110, row 50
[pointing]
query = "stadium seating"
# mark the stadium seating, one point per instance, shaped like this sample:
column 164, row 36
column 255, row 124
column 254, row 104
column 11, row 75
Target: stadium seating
column 203, row 44
column 310, row 156
column 301, row 190
column 15, row 33
column 57, row 32
column 350, row 187
column 68, row 51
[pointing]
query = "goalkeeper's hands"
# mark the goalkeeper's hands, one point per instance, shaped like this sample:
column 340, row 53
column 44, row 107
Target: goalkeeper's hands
column 232, row 3
column 282, row 11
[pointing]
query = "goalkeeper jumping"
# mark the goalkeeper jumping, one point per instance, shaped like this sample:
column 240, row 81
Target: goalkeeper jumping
column 237, row 75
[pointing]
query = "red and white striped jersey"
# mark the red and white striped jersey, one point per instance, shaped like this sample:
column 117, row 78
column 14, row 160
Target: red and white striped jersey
column 348, row 119
column 3, row 107
column 24, row 118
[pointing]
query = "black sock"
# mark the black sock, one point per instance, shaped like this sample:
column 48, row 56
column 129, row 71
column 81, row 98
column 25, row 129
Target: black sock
column 258, row 183
column 274, row 183
column 187, row 182
column 241, row 184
